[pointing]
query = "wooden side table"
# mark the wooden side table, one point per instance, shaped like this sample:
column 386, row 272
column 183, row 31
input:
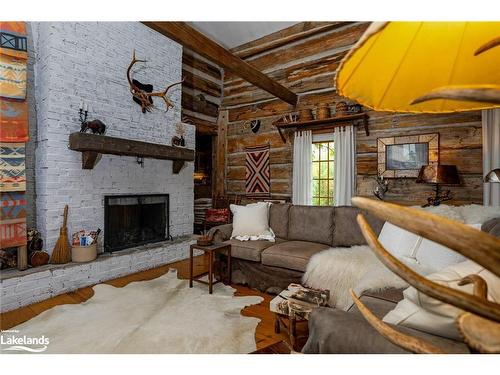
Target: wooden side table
column 211, row 250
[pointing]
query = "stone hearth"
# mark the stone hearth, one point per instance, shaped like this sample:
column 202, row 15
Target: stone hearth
column 22, row 288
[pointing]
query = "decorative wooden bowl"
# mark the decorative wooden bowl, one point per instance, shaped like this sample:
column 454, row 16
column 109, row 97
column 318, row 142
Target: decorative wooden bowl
column 341, row 109
column 323, row 111
column 306, row 114
column 204, row 241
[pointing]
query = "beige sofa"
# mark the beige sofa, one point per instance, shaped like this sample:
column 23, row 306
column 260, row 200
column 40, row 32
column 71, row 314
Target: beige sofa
column 301, row 232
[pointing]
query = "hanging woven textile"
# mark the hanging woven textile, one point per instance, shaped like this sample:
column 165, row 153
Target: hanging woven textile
column 13, row 72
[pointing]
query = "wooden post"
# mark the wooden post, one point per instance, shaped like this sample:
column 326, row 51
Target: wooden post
column 220, row 154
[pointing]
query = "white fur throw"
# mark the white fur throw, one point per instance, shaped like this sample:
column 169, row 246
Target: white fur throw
column 340, row 269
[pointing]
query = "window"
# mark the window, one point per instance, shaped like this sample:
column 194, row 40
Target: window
column 323, row 174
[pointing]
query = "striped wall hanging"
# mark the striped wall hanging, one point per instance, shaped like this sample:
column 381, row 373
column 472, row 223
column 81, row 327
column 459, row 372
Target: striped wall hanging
column 258, row 172
column 12, row 219
column 12, row 167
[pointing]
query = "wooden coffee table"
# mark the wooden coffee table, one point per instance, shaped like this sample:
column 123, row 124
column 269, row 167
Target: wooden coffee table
column 211, row 250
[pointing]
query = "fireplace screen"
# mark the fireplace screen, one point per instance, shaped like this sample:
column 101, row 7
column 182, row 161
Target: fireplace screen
column 132, row 220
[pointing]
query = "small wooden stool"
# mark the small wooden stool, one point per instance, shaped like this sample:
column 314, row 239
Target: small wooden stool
column 211, row 250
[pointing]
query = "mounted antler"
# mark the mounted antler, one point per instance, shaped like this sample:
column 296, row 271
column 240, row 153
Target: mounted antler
column 479, row 325
column 143, row 93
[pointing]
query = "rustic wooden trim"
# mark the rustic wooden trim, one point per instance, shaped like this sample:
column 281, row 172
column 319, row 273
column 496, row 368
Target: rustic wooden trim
column 89, row 159
column 209, row 68
column 91, row 145
column 329, row 123
column 220, row 154
column 202, row 126
column 283, row 37
column 199, row 43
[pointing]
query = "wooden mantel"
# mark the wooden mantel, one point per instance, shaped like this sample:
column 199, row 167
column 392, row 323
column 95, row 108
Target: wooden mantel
column 91, row 145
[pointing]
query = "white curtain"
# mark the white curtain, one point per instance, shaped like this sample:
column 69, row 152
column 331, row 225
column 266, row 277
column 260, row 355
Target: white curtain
column 302, row 168
column 344, row 165
column 491, row 154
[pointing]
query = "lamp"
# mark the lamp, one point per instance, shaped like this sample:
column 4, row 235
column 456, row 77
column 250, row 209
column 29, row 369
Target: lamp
column 424, row 67
column 438, row 175
column 493, row 176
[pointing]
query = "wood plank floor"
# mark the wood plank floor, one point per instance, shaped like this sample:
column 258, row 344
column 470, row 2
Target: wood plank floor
column 264, row 335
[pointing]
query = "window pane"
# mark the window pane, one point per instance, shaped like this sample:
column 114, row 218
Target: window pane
column 332, row 171
column 323, row 202
column 315, row 170
column 323, row 171
column 315, row 155
column 324, row 151
column 330, row 151
column 315, row 188
column 323, row 190
column 315, row 201
column 330, row 191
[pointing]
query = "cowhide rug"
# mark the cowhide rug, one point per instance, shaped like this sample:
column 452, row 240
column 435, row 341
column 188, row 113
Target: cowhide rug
column 162, row 315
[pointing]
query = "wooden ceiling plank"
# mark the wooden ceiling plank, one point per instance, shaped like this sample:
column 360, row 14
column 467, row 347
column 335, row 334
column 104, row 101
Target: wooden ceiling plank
column 199, row 43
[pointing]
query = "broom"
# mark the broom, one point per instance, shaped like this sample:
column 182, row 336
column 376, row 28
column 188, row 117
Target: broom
column 62, row 252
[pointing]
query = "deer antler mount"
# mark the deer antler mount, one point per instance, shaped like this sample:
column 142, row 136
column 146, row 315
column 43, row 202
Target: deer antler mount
column 143, row 94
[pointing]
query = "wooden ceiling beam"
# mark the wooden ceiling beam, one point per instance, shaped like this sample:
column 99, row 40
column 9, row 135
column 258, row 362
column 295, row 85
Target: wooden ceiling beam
column 189, row 37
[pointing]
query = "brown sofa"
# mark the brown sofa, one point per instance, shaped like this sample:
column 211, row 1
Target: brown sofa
column 301, row 232
column 348, row 332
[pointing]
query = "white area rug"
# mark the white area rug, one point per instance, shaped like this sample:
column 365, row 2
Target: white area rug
column 162, row 315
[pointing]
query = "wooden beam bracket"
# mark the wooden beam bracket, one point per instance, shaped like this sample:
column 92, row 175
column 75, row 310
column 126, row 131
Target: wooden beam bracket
column 189, row 37
column 91, row 145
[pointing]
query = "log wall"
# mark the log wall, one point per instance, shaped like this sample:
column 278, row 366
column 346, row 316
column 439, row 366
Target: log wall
column 304, row 58
column 201, row 92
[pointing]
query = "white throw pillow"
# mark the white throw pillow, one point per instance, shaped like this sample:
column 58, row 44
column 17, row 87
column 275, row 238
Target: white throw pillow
column 427, row 314
column 435, row 256
column 399, row 242
column 251, row 222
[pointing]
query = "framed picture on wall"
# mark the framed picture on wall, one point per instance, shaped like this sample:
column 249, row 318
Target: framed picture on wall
column 403, row 156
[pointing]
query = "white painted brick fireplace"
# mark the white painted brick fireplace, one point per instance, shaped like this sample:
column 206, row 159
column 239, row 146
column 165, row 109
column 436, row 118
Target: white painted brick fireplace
column 88, row 61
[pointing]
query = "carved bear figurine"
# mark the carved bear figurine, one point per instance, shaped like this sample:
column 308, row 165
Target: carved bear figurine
column 96, row 126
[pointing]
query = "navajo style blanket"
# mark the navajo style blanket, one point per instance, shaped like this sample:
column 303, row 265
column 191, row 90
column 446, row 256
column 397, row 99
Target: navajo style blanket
column 12, row 219
column 13, row 73
column 258, row 173
column 12, row 167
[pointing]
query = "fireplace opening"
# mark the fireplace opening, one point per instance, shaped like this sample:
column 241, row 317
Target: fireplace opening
column 133, row 220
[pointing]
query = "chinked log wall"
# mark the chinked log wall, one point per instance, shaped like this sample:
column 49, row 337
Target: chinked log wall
column 304, row 58
column 201, row 92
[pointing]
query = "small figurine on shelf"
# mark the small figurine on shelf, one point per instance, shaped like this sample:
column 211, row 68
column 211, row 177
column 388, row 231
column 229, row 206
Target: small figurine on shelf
column 178, row 140
column 96, row 126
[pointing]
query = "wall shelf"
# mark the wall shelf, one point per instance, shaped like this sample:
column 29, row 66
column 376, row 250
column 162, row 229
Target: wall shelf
column 91, row 145
column 355, row 119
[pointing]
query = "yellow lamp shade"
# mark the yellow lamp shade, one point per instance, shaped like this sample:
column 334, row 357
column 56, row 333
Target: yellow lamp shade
column 396, row 63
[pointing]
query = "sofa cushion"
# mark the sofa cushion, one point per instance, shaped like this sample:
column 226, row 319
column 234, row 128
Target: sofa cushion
column 311, row 223
column 278, row 219
column 346, row 230
column 250, row 250
column 293, row 255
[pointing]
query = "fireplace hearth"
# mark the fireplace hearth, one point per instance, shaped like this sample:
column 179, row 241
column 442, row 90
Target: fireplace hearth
column 133, row 220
